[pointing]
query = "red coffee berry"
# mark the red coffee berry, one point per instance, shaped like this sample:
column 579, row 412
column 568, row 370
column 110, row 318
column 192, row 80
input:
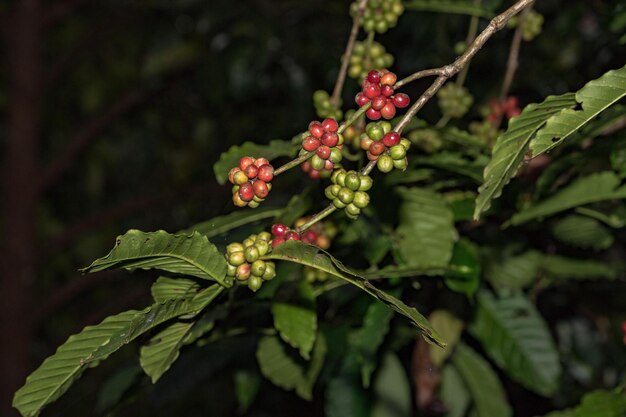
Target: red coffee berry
column 245, row 162
column 379, row 102
column 330, row 139
column 373, row 77
column 252, row 171
column 386, row 90
column 323, row 152
column 292, row 236
column 306, row 166
column 259, row 162
column 361, row 99
column 232, row 173
column 311, row 143
column 377, row 148
column 260, row 189
column 266, row 173
column 389, row 111
column 371, row 91
column 277, row 241
column 371, row 157
column 316, row 129
column 373, row 114
column 391, row 139
column 246, row 192
column 330, row 125
column 401, row 100
column 388, row 79
column 328, row 166
column 279, row 229
column 314, row 174
column 309, row 237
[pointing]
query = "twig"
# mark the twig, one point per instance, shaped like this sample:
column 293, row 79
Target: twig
column 513, row 61
column 448, row 71
column 416, row 76
column 471, row 35
column 345, row 60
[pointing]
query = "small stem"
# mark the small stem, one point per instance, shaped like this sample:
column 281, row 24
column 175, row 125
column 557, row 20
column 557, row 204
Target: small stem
column 368, row 168
column 442, row 122
column 360, row 112
column 294, row 163
column 317, row 217
column 513, row 60
column 471, row 35
column 416, row 76
column 345, row 60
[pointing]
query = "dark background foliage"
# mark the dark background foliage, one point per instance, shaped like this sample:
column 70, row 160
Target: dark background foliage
column 114, row 113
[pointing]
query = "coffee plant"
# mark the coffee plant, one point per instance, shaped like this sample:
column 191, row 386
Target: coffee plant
column 459, row 247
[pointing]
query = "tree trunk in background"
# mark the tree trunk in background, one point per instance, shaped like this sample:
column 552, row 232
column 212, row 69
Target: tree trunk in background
column 20, row 197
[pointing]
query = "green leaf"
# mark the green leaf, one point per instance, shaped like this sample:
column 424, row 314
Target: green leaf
column 392, row 390
column 284, row 371
column 231, row 157
column 453, row 162
column 590, row 189
column 453, row 392
column 393, row 271
column 583, row 232
column 165, row 288
column 95, row 343
column 450, row 328
column 513, row 272
column 163, row 349
column 443, row 6
column 561, row 268
column 314, row 257
column 595, row 97
column 426, row 234
column 296, row 319
column 247, row 386
column 482, row 382
column 461, row 203
column 463, row 274
column 517, row 338
column 182, row 254
column 602, row 404
column 366, row 340
column 510, row 148
column 344, row 397
column 222, row 224
column 113, row 390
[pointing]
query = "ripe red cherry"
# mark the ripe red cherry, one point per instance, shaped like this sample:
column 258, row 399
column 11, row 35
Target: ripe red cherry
column 260, row 189
column 386, row 90
column 330, row 125
column 401, row 100
column 259, row 162
column 279, row 229
column 277, row 241
column 328, row 166
column 330, row 139
column 306, row 166
column 371, row 91
column 245, row 162
column 266, row 173
column 316, row 129
column 323, row 152
column 379, row 102
column 376, row 148
column 391, row 139
column 314, row 174
column 373, row 114
column 389, row 111
column 246, row 192
column 373, row 77
column 292, row 236
column 361, row 99
column 309, row 237
column 311, row 143
column 371, row 157
column 252, row 171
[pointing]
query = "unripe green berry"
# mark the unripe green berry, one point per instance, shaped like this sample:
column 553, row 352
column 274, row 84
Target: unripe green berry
column 264, row 236
column 253, row 204
column 236, row 258
column 353, row 210
column 231, row 270
column 258, row 268
column 386, row 126
column 361, row 199
column 366, row 182
column 249, row 241
column 406, row 143
column 240, row 178
column 352, row 181
column 331, row 192
column 317, row 163
column 251, row 253
column 255, row 283
column 263, row 247
column 234, row 247
column 345, row 195
column 335, row 155
column 374, row 131
column 384, row 163
column 338, row 203
column 341, row 178
column 397, row 152
column 270, row 271
column 401, row 163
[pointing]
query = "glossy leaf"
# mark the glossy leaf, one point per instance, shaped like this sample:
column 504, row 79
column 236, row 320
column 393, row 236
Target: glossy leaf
column 222, row 224
column 482, row 382
column 595, row 97
column 510, row 148
column 392, row 390
column 560, row 268
column 517, row 338
column 295, row 319
column 513, row 272
column 165, row 288
column 453, row 392
column 95, row 343
column 182, row 254
column 583, row 232
column 312, row 256
column 230, row 158
column 426, row 234
column 163, row 349
column 590, row 189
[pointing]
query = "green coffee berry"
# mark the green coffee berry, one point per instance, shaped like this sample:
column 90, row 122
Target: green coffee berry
column 231, row 270
column 353, row 210
column 255, row 283
column 345, row 195
column 361, row 199
column 384, row 163
column 352, row 181
column 397, row 152
column 234, row 247
column 258, row 268
column 270, row 271
column 454, row 100
column 317, row 163
column 401, row 164
column 251, row 254
column 237, row 258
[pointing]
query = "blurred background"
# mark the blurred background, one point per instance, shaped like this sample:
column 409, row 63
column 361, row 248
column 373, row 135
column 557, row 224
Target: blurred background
column 114, row 112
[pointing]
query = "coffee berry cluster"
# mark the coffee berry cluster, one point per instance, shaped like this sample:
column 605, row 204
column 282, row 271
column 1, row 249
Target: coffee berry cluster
column 366, row 58
column 323, row 139
column 379, row 15
column 454, row 100
column 531, row 22
column 508, row 108
column 349, row 191
column 324, row 107
column 251, row 181
column 319, row 234
column 385, row 146
column 245, row 263
column 378, row 89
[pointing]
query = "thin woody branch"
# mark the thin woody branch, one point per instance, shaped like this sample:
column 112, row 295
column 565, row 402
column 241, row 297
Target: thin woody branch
column 513, row 60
